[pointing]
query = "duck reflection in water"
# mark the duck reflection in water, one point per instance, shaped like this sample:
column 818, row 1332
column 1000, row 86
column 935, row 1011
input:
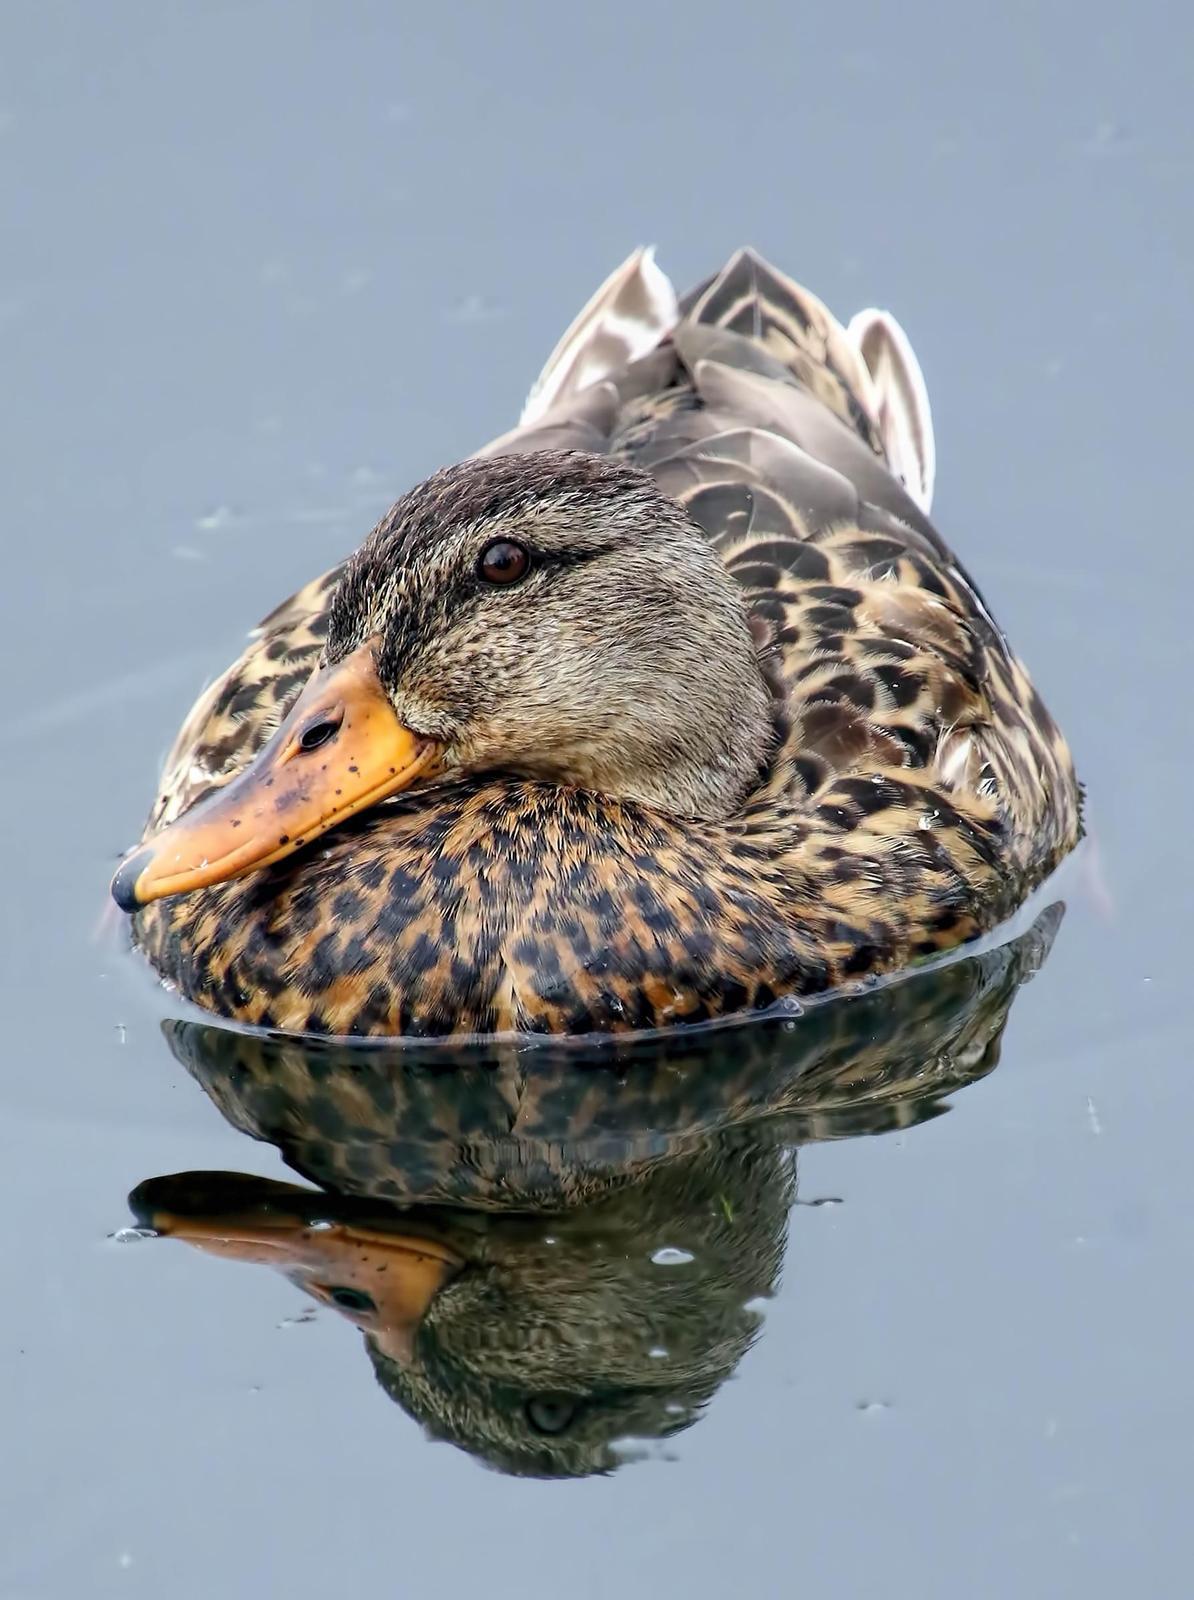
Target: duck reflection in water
column 555, row 1256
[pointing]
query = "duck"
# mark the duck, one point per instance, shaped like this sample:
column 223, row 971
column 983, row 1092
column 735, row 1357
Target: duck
column 668, row 707
column 541, row 1263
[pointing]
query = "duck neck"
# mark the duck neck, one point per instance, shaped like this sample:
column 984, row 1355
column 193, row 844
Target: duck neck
column 694, row 747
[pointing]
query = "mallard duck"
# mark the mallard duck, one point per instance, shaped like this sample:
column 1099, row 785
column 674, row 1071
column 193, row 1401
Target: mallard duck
column 669, row 705
column 543, row 1261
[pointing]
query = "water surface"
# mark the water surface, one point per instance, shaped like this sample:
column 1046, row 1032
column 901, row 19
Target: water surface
column 262, row 267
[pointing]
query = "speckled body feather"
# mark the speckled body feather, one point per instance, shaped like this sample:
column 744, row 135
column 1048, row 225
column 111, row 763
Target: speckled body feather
column 915, row 790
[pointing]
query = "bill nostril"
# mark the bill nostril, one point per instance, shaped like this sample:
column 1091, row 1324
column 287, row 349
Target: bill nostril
column 318, row 733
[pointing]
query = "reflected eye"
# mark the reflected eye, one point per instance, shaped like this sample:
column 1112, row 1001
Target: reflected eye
column 550, row 1413
column 504, row 562
column 352, row 1299
column 319, row 732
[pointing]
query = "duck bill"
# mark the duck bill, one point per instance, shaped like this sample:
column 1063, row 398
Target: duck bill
column 340, row 750
column 395, row 1276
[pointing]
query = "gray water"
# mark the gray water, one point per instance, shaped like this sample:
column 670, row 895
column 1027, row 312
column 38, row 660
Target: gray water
column 263, row 266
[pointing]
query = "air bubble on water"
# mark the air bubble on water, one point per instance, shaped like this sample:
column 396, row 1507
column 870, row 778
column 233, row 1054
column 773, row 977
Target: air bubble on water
column 132, row 1235
column 669, row 1256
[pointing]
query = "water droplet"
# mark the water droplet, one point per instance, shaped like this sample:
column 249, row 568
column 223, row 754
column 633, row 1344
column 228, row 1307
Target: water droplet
column 472, row 309
column 657, row 1352
column 132, row 1235
column 668, row 1256
column 873, row 1405
column 321, row 1225
column 630, row 1449
column 220, row 517
column 122, row 1033
column 306, row 1315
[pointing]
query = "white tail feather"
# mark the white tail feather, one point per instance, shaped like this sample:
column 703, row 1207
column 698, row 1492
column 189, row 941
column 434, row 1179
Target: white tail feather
column 626, row 318
column 902, row 401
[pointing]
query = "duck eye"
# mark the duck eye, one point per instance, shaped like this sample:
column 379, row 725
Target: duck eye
column 504, row 562
column 352, row 1299
column 550, row 1413
column 319, row 732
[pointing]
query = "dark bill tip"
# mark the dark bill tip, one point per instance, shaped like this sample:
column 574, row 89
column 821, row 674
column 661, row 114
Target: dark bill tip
column 124, row 884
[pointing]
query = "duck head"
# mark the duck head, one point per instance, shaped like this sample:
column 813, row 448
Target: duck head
column 536, row 1342
column 551, row 616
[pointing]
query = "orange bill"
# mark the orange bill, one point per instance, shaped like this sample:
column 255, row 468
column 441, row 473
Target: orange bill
column 340, row 750
column 382, row 1281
